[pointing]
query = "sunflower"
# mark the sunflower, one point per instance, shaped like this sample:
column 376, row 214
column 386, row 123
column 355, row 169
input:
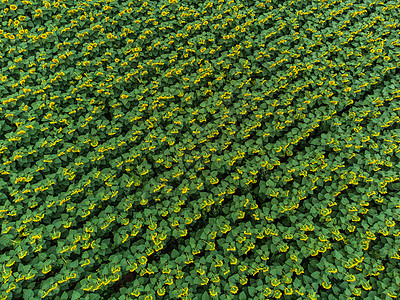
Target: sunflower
column 234, row 289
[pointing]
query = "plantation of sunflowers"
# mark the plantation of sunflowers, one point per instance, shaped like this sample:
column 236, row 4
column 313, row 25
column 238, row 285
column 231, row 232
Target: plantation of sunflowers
column 217, row 149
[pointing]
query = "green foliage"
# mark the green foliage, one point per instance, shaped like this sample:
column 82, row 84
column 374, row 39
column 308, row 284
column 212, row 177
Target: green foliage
column 225, row 149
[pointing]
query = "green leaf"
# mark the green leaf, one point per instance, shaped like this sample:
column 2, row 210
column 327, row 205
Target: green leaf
column 297, row 283
column 76, row 295
column 338, row 255
column 28, row 294
column 252, row 290
column 316, row 275
column 205, row 296
column 242, row 296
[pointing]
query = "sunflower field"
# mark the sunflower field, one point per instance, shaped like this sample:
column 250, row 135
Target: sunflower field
column 216, row 149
